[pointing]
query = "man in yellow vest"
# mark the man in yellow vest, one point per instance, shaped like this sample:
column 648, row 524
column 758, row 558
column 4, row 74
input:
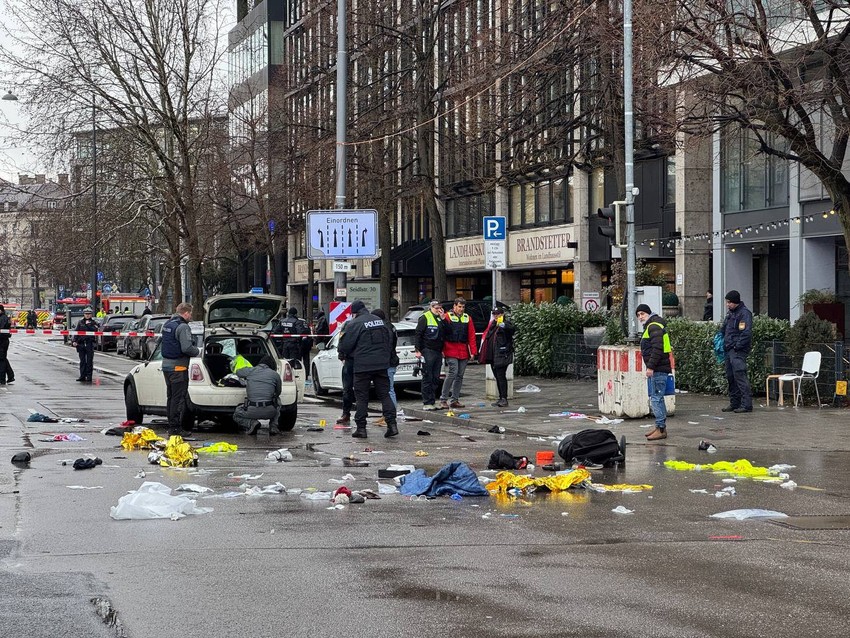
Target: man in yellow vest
column 655, row 348
column 239, row 361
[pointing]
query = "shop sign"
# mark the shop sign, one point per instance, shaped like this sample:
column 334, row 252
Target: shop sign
column 543, row 246
column 465, row 254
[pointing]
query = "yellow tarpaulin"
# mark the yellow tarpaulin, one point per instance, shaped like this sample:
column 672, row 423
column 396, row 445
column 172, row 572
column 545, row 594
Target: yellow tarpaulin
column 507, row 480
column 139, row 440
column 620, row 487
column 741, row 467
column 178, row 453
column 221, row 446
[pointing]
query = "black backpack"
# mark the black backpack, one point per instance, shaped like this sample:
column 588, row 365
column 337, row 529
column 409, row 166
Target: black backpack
column 594, row 446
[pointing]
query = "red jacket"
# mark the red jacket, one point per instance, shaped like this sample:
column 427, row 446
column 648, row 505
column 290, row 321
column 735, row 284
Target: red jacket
column 459, row 349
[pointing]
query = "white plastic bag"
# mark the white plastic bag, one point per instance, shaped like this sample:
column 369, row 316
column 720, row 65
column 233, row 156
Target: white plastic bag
column 529, row 388
column 154, row 500
column 749, row 513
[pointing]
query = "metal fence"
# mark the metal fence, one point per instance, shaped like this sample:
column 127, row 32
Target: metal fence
column 834, row 366
column 574, row 355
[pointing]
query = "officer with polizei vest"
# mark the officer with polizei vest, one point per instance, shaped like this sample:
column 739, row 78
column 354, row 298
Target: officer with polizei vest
column 177, row 349
column 368, row 340
column 290, row 346
column 85, row 345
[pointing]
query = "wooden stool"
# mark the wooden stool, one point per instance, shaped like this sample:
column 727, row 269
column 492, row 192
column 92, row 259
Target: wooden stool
column 780, row 383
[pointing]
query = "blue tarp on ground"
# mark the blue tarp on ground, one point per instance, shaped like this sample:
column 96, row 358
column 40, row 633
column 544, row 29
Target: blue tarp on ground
column 454, row 478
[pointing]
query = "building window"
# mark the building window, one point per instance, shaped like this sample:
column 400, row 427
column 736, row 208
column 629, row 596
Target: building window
column 750, row 179
column 540, row 203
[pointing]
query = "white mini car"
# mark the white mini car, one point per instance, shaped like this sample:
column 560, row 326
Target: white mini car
column 327, row 368
column 229, row 320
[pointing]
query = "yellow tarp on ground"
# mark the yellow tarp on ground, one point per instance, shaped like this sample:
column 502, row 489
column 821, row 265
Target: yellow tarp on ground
column 221, row 446
column 507, row 480
column 139, row 440
column 178, row 453
column 741, row 467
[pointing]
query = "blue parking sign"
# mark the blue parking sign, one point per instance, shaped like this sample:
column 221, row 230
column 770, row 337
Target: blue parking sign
column 495, row 228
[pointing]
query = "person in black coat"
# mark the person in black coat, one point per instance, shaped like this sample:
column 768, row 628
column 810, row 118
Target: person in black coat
column 497, row 349
column 655, row 350
column 85, row 345
column 737, row 332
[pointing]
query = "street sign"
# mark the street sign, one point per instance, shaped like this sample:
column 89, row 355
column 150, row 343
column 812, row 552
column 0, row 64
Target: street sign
column 99, row 276
column 106, row 289
column 342, row 292
column 342, row 233
column 256, row 290
column 590, row 301
column 147, row 292
column 495, row 254
column 342, row 266
column 495, row 228
column 338, row 313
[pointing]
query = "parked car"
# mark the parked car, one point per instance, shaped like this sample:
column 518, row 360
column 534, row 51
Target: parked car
column 327, row 368
column 228, row 319
column 478, row 311
column 137, row 347
column 113, row 323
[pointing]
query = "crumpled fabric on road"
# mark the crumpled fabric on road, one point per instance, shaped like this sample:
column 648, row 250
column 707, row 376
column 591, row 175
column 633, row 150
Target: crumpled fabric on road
column 620, row 487
column 216, row 448
column 559, row 482
column 741, row 467
column 453, row 478
column 141, row 440
column 178, row 453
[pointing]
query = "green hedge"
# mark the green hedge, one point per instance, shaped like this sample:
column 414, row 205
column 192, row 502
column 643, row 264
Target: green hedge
column 537, row 324
column 697, row 369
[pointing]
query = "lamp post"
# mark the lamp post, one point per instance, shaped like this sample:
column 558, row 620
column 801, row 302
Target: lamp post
column 94, row 299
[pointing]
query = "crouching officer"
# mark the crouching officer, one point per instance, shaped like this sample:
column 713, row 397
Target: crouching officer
column 85, row 345
column 262, row 397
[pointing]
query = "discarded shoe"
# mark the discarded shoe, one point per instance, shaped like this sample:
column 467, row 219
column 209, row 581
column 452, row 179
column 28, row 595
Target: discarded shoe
column 657, row 435
column 359, row 432
column 729, row 408
column 742, row 410
column 392, row 430
column 345, row 419
column 588, row 465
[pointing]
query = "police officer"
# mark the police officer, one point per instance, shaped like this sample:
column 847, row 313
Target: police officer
column 262, row 397
column 7, row 375
column 737, row 332
column 177, row 348
column 429, row 346
column 368, row 340
column 290, row 348
column 85, row 345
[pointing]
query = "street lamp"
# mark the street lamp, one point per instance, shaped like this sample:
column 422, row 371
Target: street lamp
column 94, row 204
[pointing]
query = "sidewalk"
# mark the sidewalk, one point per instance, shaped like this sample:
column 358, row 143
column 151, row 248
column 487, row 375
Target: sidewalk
column 698, row 417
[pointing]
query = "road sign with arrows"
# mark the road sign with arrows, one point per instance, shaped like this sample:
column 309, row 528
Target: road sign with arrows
column 342, row 234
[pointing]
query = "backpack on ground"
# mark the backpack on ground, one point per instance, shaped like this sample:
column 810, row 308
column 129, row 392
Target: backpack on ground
column 593, row 446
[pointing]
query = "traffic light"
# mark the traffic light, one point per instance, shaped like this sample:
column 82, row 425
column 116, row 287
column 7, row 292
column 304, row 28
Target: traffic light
column 615, row 230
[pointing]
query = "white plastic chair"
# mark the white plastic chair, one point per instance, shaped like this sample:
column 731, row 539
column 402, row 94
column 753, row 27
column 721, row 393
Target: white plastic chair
column 811, row 370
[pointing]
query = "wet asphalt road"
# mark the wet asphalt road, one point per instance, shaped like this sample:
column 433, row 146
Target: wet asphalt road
column 546, row 565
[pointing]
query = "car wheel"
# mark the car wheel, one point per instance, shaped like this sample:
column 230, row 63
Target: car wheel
column 317, row 386
column 287, row 418
column 131, row 404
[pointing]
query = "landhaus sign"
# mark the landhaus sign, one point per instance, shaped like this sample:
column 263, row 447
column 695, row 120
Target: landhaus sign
column 545, row 246
column 465, row 254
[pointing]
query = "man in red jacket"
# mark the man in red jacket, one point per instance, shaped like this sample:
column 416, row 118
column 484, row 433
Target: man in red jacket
column 458, row 346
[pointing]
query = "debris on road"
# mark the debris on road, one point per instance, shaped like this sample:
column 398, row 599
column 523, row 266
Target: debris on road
column 152, row 501
column 281, row 455
column 529, row 388
column 218, row 448
column 21, row 459
column 622, row 510
column 505, row 481
column 504, row 460
column 87, row 463
column 744, row 514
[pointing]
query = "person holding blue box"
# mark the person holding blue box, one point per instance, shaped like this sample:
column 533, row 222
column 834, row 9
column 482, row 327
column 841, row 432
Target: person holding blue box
column 655, row 349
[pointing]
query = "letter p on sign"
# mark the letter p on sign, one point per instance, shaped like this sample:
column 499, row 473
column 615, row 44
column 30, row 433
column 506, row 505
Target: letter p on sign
column 495, row 228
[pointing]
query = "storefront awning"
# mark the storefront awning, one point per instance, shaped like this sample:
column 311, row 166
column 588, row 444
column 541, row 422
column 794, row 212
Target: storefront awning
column 410, row 259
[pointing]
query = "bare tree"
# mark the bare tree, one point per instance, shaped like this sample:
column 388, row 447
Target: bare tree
column 149, row 68
column 778, row 71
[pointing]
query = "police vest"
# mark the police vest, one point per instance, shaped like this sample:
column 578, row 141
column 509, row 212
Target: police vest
column 288, row 326
column 170, row 345
column 240, row 362
column 459, row 328
column 665, row 339
column 432, row 329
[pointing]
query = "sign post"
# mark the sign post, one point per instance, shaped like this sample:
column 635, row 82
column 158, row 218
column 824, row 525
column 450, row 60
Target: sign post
column 495, row 246
column 339, row 235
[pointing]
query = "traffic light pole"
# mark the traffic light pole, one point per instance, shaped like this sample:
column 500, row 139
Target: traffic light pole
column 631, row 262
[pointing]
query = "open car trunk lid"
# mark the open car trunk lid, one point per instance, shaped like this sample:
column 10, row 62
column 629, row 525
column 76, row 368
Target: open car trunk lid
column 243, row 311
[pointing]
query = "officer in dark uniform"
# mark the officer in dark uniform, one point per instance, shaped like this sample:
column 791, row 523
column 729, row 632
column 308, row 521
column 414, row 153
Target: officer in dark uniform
column 85, row 345
column 368, row 340
column 177, row 349
column 290, row 346
column 262, row 397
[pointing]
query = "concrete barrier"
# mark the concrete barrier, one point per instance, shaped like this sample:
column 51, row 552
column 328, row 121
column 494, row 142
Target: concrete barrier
column 621, row 382
column 490, row 383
